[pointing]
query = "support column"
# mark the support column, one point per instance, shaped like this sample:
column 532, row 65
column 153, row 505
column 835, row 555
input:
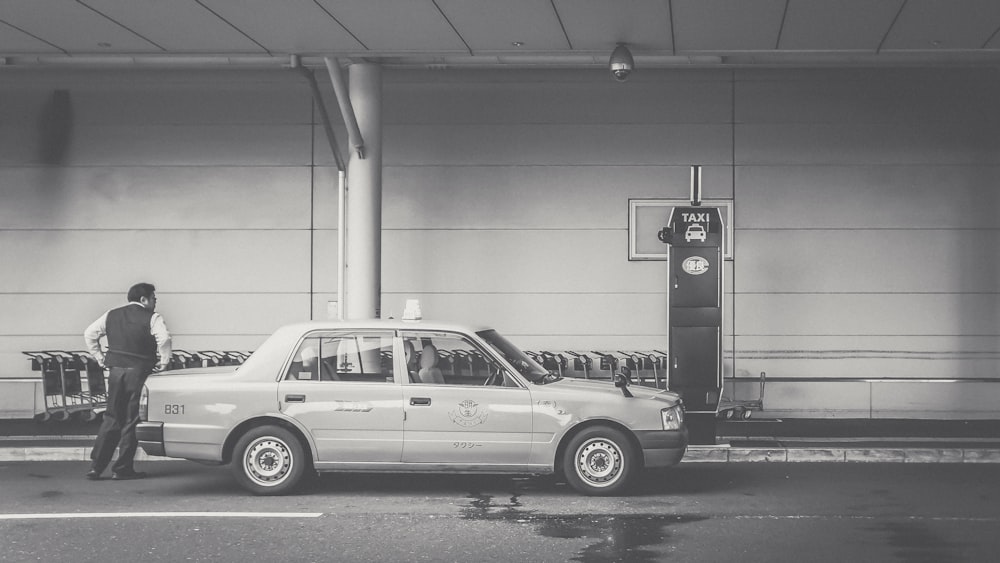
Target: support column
column 364, row 199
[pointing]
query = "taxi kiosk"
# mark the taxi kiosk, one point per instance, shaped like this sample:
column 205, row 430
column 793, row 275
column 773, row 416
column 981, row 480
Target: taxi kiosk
column 694, row 310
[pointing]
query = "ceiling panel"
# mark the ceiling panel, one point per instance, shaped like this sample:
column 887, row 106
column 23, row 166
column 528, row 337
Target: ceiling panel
column 558, row 33
column 726, row 25
column 830, row 25
column 16, row 42
column 396, row 25
column 600, row 24
column 180, row 26
column 944, row 24
column 288, row 26
column 72, row 27
column 491, row 25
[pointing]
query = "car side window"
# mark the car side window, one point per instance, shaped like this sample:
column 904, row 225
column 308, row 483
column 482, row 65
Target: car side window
column 450, row 359
column 359, row 357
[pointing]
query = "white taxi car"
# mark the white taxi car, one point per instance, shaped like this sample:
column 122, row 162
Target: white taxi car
column 406, row 396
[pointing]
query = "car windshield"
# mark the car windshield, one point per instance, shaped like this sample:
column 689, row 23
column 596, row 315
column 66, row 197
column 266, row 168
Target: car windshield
column 522, row 362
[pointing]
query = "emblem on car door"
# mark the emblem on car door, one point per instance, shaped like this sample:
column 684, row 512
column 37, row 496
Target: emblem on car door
column 352, row 406
column 468, row 414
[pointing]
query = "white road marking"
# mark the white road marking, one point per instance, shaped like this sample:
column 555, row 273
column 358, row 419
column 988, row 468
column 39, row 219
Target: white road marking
column 60, row 515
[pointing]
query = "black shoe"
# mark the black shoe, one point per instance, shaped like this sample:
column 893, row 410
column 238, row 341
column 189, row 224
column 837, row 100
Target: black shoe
column 94, row 475
column 128, row 475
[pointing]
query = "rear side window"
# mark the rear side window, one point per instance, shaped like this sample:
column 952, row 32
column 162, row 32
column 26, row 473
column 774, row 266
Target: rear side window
column 344, row 357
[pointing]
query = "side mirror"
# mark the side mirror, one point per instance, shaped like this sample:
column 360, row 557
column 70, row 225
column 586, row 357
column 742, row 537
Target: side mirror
column 623, row 380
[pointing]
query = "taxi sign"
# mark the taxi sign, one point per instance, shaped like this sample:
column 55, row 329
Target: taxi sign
column 695, row 226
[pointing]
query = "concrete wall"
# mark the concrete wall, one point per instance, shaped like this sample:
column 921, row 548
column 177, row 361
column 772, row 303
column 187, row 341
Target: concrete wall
column 865, row 212
column 507, row 196
column 201, row 183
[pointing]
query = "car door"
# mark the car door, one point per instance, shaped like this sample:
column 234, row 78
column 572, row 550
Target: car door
column 452, row 416
column 341, row 387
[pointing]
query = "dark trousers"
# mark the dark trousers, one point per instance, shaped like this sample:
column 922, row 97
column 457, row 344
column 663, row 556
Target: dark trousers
column 120, row 420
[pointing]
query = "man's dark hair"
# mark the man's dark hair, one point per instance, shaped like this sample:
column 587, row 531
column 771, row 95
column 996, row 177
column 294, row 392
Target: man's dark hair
column 140, row 290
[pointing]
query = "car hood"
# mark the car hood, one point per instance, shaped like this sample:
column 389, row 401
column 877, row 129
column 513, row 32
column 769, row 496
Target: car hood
column 608, row 388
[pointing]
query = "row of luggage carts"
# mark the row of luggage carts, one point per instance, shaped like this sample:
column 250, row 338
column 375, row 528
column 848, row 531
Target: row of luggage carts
column 646, row 368
column 75, row 385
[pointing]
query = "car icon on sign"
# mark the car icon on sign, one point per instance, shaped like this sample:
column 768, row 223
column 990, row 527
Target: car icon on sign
column 695, row 232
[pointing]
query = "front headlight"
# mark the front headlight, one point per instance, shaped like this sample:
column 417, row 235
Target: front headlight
column 672, row 417
column 144, row 404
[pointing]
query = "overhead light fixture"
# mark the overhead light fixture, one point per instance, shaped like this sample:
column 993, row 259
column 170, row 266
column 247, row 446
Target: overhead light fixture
column 621, row 63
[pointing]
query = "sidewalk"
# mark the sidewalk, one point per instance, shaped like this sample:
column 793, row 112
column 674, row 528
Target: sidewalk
column 853, row 440
column 755, row 440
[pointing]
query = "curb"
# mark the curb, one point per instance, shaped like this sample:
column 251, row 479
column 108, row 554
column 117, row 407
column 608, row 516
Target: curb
column 726, row 454
column 61, row 453
column 695, row 454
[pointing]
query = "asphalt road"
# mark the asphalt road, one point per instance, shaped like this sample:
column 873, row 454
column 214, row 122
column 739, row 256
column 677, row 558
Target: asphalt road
column 695, row 512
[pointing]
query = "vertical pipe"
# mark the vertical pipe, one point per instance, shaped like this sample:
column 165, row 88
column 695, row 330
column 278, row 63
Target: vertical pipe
column 341, row 243
column 364, row 221
column 696, row 185
column 354, row 135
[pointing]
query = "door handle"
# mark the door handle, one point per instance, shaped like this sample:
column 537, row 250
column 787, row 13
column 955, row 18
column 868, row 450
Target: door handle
column 420, row 401
column 295, row 398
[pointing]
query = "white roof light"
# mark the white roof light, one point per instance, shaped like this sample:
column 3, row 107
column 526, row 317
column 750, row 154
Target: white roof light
column 412, row 310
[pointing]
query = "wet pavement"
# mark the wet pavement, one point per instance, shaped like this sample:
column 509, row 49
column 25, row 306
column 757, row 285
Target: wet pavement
column 696, row 512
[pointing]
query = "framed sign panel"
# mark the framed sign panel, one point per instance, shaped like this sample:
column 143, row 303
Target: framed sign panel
column 647, row 216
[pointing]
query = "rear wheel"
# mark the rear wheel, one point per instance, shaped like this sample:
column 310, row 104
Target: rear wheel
column 269, row 460
column 600, row 461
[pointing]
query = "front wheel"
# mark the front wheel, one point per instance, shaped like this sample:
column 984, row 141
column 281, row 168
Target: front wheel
column 269, row 460
column 600, row 461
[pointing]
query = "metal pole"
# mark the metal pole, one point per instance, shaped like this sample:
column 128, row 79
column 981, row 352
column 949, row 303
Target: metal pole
column 341, row 244
column 364, row 222
column 346, row 107
column 696, row 185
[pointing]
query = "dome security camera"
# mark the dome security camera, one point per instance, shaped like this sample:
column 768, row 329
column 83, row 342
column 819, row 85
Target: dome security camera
column 621, row 63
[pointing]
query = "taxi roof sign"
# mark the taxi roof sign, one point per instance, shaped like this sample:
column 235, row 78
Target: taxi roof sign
column 412, row 310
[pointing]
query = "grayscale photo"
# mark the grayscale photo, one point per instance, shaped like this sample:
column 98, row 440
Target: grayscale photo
column 499, row 280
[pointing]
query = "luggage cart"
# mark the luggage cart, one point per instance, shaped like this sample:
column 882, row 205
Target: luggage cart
column 62, row 387
column 213, row 358
column 97, row 385
column 181, row 359
column 609, row 363
column 731, row 408
column 638, row 366
column 236, row 357
column 582, row 362
column 450, row 362
column 554, row 362
column 651, row 364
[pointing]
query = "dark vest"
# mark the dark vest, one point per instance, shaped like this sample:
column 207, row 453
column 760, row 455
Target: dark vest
column 130, row 342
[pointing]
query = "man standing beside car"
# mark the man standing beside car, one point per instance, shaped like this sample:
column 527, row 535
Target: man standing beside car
column 136, row 335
